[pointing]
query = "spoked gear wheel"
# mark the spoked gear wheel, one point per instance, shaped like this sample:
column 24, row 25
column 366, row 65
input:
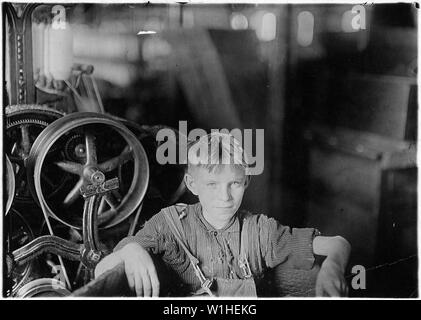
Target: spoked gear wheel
column 10, row 183
column 18, row 233
column 108, row 146
column 23, row 125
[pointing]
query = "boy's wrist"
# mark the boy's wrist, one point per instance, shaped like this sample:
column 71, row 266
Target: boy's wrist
column 128, row 249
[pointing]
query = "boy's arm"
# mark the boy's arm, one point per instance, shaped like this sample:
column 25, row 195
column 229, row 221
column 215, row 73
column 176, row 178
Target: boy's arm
column 133, row 252
column 148, row 237
column 330, row 280
column 140, row 270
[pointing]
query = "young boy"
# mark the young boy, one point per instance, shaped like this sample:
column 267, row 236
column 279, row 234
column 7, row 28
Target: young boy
column 215, row 248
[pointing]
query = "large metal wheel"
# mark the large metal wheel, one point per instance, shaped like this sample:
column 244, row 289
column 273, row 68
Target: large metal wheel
column 10, row 184
column 87, row 142
column 23, row 125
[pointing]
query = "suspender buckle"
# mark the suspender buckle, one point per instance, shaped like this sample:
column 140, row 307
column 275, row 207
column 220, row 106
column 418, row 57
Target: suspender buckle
column 204, row 282
column 207, row 283
column 245, row 268
column 206, row 286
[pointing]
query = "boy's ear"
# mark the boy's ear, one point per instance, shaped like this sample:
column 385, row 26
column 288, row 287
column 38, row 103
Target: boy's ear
column 190, row 184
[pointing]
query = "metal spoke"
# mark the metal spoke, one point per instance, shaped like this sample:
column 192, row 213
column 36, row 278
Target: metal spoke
column 71, row 167
column 111, row 201
column 117, row 195
column 108, row 214
column 74, row 193
column 14, row 149
column 26, row 142
column 79, row 270
column 101, row 206
column 91, row 157
column 47, row 180
column 117, row 161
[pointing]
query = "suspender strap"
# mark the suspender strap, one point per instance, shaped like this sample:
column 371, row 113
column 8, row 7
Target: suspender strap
column 244, row 244
column 173, row 220
column 176, row 228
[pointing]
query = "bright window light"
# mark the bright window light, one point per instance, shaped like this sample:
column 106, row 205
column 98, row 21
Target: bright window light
column 239, row 21
column 268, row 29
column 305, row 30
column 141, row 32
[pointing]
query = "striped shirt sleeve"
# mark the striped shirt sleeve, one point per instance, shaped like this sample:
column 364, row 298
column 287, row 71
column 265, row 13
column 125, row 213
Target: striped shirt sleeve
column 150, row 236
column 281, row 244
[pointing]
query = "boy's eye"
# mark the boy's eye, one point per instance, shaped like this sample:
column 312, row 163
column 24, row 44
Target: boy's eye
column 211, row 184
column 236, row 183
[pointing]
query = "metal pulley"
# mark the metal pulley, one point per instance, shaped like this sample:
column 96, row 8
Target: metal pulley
column 88, row 148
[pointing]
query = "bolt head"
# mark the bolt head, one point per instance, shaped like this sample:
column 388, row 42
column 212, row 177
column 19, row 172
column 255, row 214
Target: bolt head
column 98, row 177
column 80, row 150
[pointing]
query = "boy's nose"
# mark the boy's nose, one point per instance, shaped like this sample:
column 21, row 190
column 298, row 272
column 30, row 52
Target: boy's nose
column 224, row 193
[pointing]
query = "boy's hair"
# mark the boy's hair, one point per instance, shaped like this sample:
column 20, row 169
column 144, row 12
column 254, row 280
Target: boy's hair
column 214, row 149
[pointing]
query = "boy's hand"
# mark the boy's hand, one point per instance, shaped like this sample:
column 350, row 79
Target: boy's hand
column 140, row 269
column 330, row 281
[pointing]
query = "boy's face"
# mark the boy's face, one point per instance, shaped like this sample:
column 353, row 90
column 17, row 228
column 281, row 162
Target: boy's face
column 220, row 192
